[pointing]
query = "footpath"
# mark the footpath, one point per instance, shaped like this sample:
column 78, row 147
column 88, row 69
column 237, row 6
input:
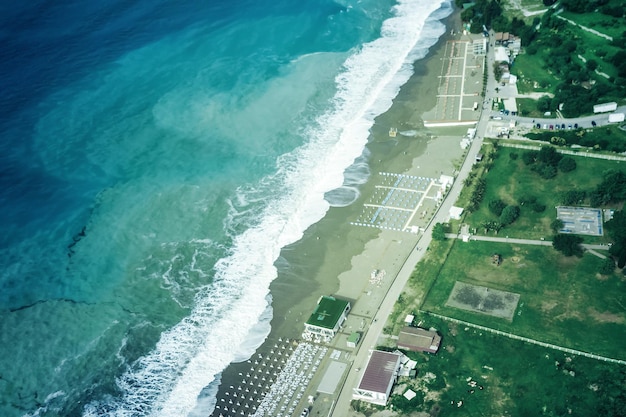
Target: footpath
column 588, row 247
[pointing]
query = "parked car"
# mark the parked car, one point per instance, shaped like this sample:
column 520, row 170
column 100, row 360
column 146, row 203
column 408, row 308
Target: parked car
column 563, row 126
column 538, row 125
column 551, row 127
column 304, row 412
column 593, row 123
column 575, row 125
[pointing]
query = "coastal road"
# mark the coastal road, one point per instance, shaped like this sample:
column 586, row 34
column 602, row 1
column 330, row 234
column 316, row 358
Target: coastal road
column 370, row 339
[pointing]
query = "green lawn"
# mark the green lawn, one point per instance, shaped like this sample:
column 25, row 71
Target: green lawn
column 597, row 21
column 527, row 107
column 533, row 75
column 510, row 181
column 480, row 374
column 563, row 300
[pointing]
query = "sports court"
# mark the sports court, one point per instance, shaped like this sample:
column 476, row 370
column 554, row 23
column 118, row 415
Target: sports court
column 580, row 220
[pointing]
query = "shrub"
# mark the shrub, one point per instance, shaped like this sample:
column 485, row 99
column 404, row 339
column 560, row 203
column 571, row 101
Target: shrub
column 556, row 225
column 496, row 207
column 538, row 207
column 529, row 157
column 567, row 164
column 607, row 267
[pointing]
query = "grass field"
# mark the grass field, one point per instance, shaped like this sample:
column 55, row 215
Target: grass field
column 510, row 181
column 597, row 21
column 563, row 300
column 533, row 75
column 528, row 108
column 480, row 374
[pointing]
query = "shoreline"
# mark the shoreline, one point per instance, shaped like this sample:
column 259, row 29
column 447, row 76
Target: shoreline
column 335, row 257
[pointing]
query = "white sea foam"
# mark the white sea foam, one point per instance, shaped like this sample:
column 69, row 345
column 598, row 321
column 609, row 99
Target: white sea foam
column 167, row 381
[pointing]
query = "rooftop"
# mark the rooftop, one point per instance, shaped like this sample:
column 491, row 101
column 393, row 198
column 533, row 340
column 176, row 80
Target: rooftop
column 415, row 338
column 380, row 371
column 328, row 312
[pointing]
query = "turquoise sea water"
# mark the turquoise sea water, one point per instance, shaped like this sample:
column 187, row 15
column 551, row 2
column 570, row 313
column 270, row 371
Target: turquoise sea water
column 155, row 157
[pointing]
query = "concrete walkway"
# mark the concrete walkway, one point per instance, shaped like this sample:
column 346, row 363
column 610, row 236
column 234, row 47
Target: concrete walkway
column 585, row 28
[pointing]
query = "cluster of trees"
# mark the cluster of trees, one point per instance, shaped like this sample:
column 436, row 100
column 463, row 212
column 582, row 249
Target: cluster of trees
column 483, row 12
column 612, row 189
column 567, row 244
column 507, row 214
column 547, row 160
column 559, row 46
column 477, row 195
column 616, row 229
column 585, row 6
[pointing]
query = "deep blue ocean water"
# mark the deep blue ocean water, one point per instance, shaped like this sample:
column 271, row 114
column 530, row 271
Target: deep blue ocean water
column 142, row 144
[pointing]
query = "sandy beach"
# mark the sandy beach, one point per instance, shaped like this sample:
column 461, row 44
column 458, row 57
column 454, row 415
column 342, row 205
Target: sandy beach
column 337, row 256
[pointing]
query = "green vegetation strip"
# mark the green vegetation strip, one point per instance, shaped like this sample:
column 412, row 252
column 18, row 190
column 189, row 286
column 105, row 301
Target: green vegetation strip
column 527, row 340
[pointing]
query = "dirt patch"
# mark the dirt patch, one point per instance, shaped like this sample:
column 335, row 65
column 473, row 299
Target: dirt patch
column 606, row 317
column 483, row 300
column 568, row 260
column 515, row 259
column 547, row 306
column 449, row 348
column 601, row 277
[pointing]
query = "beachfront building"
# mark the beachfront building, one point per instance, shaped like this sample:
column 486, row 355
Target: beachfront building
column 479, row 46
column 378, row 379
column 417, row 339
column 326, row 319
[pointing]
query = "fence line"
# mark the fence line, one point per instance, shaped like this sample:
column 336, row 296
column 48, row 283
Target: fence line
column 567, row 152
column 528, row 340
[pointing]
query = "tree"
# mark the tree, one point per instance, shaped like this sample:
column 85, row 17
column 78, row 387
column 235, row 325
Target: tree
column 556, row 225
column 497, row 71
column 591, row 64
column 544, row 170
column 439, row 232
column 568, row 245
column 529, row 157
column 496, row 206
column 543, row 104
column 509, row 215
column 567, row 164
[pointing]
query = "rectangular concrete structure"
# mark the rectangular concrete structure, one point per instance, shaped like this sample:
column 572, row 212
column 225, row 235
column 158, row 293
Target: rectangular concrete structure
column 580, row 220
